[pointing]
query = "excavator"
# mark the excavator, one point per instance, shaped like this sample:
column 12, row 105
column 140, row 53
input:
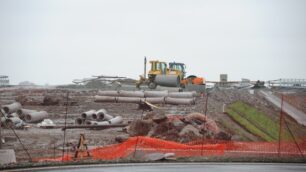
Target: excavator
column 172, row 76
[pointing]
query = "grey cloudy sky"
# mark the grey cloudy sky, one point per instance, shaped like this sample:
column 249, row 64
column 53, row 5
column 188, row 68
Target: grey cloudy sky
column 56, row 41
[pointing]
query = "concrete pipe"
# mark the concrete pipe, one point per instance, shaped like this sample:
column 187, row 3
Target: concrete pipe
column 128, row 100
column 36, row 116
column 88, row 114
column 167, row 80
column 182, row 95
column 87, row 122
column 102, row 123
column 116, row 120
column 156, row 93
column 11, row 108
column 79, row 121
column 155, row 100
column 13, row 115
column 96, row 115
column 179, row 101
column 102, row 115
column 108, row 93
column 105, row 99
column 22, row 112
column 11, row 122
column 131, row 93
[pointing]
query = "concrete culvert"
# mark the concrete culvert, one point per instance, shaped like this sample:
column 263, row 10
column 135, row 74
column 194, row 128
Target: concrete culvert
column 79, row 121
column 116, row 120
column 11, row 122
column 102, row 123
column 102, row 115
column 88, row 114
column 179, row 101
column 129, row 100
column 156, row 93
column 105, row 99
column 11, row 108
column 108, row 93
column 22, row 112
column 182, row 94
column 131, row 93
column 36, row 116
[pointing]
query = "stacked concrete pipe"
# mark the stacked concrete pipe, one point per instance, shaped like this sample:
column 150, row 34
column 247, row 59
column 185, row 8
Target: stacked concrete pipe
column 36, row 116
column 11, row 108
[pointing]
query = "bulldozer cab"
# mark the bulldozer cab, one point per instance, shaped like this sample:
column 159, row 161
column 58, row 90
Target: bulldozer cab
column 179, row 68
column 158, row 68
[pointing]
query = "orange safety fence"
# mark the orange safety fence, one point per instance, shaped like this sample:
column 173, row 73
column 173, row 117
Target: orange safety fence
column 192, row 149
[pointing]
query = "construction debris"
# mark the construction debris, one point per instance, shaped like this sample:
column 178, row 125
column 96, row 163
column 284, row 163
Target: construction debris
column 177, row 128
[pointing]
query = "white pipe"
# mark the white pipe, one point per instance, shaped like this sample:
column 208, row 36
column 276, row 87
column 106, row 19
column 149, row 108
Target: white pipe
column 116, row 120
column 179, row 101
column 11, row 108
column 108, row 93
column 88, row 114
column 36, row 116
column 156, row 93
column 131, row 94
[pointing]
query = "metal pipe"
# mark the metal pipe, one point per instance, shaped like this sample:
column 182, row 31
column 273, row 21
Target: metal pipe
column 179, row 101
column 116, row 120
column 88, row 114
column 11, row 122
column 108, row 93
column 156, row 93
column 105, row 99
column 11, row 108
column 36, row 116
column 182, row 94
column 123, row 93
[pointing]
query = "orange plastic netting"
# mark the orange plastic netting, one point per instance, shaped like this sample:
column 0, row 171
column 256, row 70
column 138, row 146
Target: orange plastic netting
column 192, row 149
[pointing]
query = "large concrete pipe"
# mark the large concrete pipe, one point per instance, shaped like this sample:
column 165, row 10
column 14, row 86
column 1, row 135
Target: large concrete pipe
column 36, row 116
column 79, row 121
column 102, row 115
column 11, row 122
column 116, row 120
column 156, row 93
column 128, row 100
column 13, row 115
column 155, row 100
column 102, row 123
column 131, row 93
column 108, row 93
column 87, row 122
column 88, row 114
column 167, row 80
column 22, row 112
column 182, row 94
column 179, row 101
column 105, row 99
column 11, row 108
column 96, row 115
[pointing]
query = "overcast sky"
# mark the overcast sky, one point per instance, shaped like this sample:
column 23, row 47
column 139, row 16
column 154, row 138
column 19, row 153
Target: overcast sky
column 56, row 41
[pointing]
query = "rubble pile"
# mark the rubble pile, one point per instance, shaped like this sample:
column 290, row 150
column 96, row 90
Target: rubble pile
column 13, row 115
column 98, row 117
column 180, row 128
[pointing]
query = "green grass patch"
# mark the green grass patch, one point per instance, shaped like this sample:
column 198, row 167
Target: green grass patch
column 256, row 122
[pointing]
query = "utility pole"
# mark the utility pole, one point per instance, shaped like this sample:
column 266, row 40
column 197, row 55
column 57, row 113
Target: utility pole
column 145, row 67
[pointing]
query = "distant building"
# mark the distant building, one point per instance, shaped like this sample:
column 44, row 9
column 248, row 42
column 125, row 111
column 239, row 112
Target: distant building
column 223, row 77
column 4, row 81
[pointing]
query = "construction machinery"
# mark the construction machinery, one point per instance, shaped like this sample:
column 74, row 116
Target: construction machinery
column 174, row 76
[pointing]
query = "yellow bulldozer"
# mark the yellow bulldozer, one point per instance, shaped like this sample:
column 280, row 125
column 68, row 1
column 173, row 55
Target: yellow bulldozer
column 172, row 76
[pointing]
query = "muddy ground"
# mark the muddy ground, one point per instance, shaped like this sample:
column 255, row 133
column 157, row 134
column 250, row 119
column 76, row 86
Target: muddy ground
column 49, row 142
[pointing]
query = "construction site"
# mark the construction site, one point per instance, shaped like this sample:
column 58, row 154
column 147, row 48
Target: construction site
column 164, row 115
